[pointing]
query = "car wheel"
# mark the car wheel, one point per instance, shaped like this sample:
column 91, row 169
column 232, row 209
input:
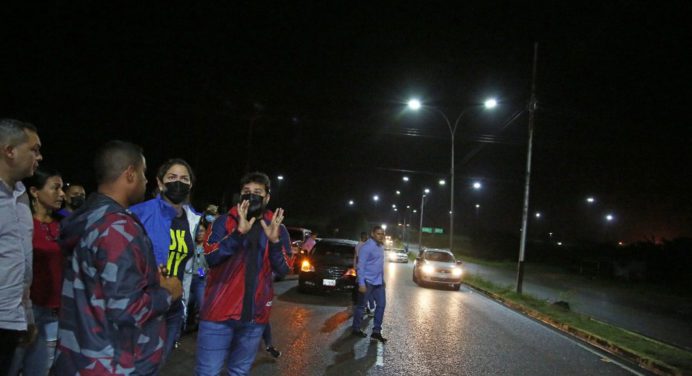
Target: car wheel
column 456, row 286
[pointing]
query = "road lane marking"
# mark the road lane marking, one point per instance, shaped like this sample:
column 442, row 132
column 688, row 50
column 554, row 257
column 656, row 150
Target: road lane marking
column 380, row 354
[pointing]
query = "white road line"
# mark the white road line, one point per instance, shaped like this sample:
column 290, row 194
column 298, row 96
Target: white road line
column 380, row 354
column 603, row 355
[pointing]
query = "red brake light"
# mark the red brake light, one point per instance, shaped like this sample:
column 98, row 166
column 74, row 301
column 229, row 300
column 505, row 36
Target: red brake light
column 306, row 267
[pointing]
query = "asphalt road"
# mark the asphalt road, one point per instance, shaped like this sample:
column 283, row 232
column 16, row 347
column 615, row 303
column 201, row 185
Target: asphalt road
column 430, row 332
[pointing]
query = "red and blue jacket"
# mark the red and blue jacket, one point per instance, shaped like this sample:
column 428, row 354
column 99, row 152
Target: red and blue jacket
column 239, row 281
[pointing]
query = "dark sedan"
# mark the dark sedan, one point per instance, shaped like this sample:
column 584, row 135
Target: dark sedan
column 329, row 267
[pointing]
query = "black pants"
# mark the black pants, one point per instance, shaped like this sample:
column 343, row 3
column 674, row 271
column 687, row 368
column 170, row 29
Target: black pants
column 8, row 342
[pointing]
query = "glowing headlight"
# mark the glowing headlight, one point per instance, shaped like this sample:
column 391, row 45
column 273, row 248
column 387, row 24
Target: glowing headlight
column 457, row 272
column 392, row 256
column 306, row 267
column 428, row 269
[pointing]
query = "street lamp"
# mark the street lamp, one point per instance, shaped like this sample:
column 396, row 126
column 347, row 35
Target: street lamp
column 415, row 104
column 420, row 227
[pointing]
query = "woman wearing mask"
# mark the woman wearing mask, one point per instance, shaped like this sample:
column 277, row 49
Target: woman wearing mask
column 171, row 224
column 47, row 196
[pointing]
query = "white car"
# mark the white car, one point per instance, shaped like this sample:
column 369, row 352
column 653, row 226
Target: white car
column 437, row 266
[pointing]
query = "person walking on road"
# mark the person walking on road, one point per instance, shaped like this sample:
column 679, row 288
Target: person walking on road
column 370, row 304
column 370, row 277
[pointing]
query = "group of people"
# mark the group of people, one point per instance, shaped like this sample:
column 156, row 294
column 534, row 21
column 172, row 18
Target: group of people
column 101, row 285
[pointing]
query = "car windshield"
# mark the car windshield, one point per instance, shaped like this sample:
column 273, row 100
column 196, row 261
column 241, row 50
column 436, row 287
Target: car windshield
column 334, row 250
column 439, row 256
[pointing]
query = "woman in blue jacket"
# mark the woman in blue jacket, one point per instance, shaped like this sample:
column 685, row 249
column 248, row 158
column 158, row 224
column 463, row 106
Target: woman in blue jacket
column 171, row 224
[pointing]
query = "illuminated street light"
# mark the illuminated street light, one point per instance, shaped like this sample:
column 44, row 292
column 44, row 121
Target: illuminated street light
column 538, row 214
column 442, row 182
column 415, row 104
column 590, row 200
column 426, row 190
column 477, row 185
column 398, row 193
column 393, row 206
column 384, row 227
column 350, row 202
column 405, row 178
column 280, row 177
column 609, row 217
column 376, row 198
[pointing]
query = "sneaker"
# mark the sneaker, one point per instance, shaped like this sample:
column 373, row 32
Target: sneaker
column 378, row 337
column 273, row 352
column 176, row 344
column 371, row 312
column 359, row 333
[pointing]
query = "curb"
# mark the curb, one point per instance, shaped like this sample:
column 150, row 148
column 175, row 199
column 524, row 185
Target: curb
column 652, row 365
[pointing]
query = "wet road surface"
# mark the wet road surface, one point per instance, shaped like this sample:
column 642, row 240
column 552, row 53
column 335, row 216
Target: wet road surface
column 431, row 331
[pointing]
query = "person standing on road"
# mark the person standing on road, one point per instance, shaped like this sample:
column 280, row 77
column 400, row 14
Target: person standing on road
column 113, row 298
column 242, row 250
column 370, row 277
column 19, row 156
column 370, row 306
column 171, row 223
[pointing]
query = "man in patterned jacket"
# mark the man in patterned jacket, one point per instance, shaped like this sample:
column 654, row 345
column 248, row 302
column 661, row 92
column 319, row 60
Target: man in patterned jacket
column 113, row 296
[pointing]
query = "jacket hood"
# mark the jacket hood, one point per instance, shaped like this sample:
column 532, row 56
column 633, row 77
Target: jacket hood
column 72, row 228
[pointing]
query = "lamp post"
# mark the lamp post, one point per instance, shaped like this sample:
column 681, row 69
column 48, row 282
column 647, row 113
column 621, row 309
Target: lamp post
column 420, row 226
column 415, row 105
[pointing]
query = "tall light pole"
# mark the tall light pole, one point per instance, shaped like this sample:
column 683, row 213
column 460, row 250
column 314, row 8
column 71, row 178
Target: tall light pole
column 525, row 210
column 415, row 105
column 420, row 227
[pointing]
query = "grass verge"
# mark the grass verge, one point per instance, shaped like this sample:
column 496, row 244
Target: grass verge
column 655, row 356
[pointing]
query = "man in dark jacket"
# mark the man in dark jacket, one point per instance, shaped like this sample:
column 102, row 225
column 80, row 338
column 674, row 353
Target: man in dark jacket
column 242, row 249
column 113, row 296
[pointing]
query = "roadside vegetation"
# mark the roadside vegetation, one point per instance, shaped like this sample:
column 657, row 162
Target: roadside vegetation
column 659, row 357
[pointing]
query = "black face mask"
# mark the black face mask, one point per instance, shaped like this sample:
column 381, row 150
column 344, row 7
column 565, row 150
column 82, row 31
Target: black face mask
column 257, row 205
column 176, row 191
column 76, row 202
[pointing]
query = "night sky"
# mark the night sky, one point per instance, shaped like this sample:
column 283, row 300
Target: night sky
column 324, row 88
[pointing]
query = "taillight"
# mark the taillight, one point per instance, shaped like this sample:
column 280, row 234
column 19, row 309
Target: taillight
column 350, row 272
column 306, row 267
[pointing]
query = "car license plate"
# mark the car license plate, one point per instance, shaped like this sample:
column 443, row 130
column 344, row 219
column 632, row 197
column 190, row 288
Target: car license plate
column 329, row 282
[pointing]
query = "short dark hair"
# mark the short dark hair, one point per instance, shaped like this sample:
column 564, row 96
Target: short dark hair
column 375, row 228
column 115, row 157
column 172, row 162
column 13, row 132
column 256, row 177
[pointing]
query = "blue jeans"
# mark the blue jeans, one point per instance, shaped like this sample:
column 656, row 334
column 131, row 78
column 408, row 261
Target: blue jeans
column 232, row 339
column 37, row 359
column 174, row 324
column 377, row 294
column 267, row 335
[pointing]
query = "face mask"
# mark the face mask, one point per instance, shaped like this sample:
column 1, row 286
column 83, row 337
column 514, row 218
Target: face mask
column 210, row 218
column 256, row 207
column 76, row 202
column 176, row 191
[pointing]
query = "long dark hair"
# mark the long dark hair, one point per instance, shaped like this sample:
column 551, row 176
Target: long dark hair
column 38, row 180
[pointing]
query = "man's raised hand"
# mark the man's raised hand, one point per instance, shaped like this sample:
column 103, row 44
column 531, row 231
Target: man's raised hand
column 244, row 225
column 272, row 230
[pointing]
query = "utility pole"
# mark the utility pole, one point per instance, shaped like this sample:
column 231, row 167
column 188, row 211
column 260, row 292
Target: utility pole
column 525, row 210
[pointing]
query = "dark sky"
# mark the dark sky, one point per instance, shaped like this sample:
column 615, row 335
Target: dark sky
column 325, row 87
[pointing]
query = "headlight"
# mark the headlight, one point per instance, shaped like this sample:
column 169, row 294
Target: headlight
column 428, row 269
column 306, row 267
column 392, row 256
column 457, row 272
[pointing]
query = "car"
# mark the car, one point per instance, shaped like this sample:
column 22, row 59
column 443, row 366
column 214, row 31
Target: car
column 437, row 267
column 329, row 267
column 397, row 255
